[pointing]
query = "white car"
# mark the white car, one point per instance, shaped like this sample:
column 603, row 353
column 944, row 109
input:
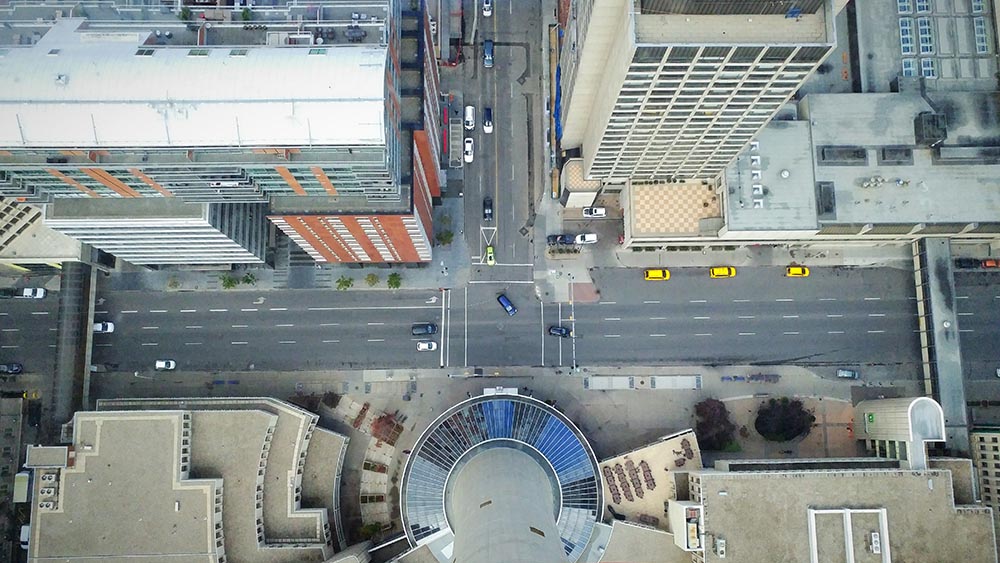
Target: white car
column 488, row 120
column 586, row 238
column 22, row 292
column 104, row 328
column 595, row 212
column 426, row 346
column 470, row 149
column 487, row 8
column 165, row 365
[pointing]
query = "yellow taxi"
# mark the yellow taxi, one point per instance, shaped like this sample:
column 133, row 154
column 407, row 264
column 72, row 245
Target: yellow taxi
column 796, row 272
column 491, row 259
column 722, row 272
column 656, row 274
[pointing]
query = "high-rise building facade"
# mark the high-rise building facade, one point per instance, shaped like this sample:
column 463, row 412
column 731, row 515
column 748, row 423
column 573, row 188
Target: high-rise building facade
column 674, row 89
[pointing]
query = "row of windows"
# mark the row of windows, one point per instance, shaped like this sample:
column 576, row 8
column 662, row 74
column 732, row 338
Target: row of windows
column 928, row 68
column 733, row 54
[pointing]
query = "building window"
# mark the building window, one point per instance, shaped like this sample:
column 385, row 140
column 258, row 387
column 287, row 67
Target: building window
column 198, row 53
column 927, row 69
column 909, row 67
column 904, row 6
column 977, row 6
column 979, row 25
column 145, row 52
column 649, row 54
column 923, row 6
column 926, row 34
column 238, row 52
column 906, row 36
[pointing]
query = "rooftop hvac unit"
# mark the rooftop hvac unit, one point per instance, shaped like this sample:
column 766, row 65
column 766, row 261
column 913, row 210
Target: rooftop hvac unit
column 758, row 189
column 47, row 505
column 49, row 477
column 758, row 203
column 876, row 543
column 46, row 491
column 720, row 548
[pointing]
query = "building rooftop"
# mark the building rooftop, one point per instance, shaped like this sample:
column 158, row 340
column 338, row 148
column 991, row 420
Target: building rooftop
column 820, row 512
column 228, row 97
column 689, row 208
column 733, row 29
column 629, row 542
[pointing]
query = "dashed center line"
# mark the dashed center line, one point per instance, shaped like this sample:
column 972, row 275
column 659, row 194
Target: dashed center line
column 965, row 314
column 875, row 331
column 608, row 303
column 876, row 314
column 251, row 310
column 192, row 343
column 10, row 330
column 278, row 309
column 218, row 310
column 835, row 332
column 150, row 344
column 658, row 335
column 698, row 301
column 873, row 298
column 747, row 333
column 741, row 300
column 150, row 327
column 827, row 298
column 789, row 316
column 240, row 326
column 612, row 336
column 129, row 312
column 966, row 330
column 651, row 302
column 784, row 299
column 747, row 317
column 703, row 334
column 189, row 310
column 791, row 333
column 97, row 312
column 193, row 326
column 376, row 340
column 12, row 347
column 238, row 343
column 657, row 318
column 612, row 318
column 329, row 324
column 286, row 342
column 834, row 316
column 284, row 325
column 375, row 324
column 330, row 341
column 701, row 318
column 961, row 297
column 39, row 312
column 157, row 310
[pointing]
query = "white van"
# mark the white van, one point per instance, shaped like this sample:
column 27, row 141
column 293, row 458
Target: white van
column 470, row 118
column 25, row 536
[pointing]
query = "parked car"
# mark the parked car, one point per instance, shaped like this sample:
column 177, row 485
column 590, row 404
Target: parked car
column 420, row 329
column 487, row 120
column 22, row 292
column 560, row 239
column 470, row 118
column 848, row 374
column 560, row 331
column 594, row 212
column 470, row 149
column 507, row 305
column 796, row 272
column 11, row 368
column 488, row 53
column 656, row 274
column 586, row 238
column 104, row 327
column 426, row 346
column 165, row 365
column 487, row 208
column 722, row 272
column 487, row 8
column 491, row 258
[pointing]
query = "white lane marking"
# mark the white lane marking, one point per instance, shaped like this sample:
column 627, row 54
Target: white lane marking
column 10, row 330
column 876, row 314
column 875, row 331
column 237, row 343
column 833, row 316
column 791, row 333
column 126, row 312
column 53, row 329
column 103, row 345
column 286, row 342
column 3, row 314
column 701, row 318
column 966, row 330
column 218, row 310
column 395, row 308
column 965, row 314
column 375, row 324
column 747, row 333
column 376, row 340
column 11, row 347
column 240, row 326
column 157, row 310
column 657, row 318
column 192, row 343
column 698, row 301
column 962, row 297
column 284, row 325
column 608, row 303
column 612, row 318
column 612, row 336
column 150, row 328
column 330, row 341
column 150, row 344
column 747, row 317
column 741, row 300
column 278, row 309
column 789, row 316
column 189, row 310
column 835, row 332
column 873, row 298
column 827, row 298
column 703, row 334
column 784, row 300
column 329, row 324
column 95, row 312
column 193, row 326
column 39, row 312
column 658, row 335
column 250, row 310
column 651, row 302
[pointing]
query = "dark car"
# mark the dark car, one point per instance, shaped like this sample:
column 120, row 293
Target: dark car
column 11, row 368
column 561, row 239
column 560, row 331
column 507, row 305
column 420, row 329
column 487, row 208
column 34, row 413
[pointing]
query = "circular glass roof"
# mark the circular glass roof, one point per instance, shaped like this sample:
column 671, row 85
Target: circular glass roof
column 517, row 422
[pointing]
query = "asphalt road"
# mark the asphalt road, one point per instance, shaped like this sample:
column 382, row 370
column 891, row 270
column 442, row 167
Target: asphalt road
column 977, row 303
column 838, row 316
column 28, row 332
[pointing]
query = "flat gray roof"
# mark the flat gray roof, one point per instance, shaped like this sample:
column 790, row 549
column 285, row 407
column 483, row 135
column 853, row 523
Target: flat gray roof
column 126, row 209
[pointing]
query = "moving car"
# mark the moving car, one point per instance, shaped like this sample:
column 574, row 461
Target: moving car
column 469, row 152
column 487, row 8
column 487, row 120
column 420, row 329
column 560, row 239
column 586, row 238
column 847, row 374
column 104, row 327
column 166, row 365
column 722, row 272
column 507, row 305
column 487, row 208
column 656, row 274
column 22, row 292
column 426, row 346
column 987, row 263
column 470, row 118
column 560, row 331
column 488, row 53
column 796, row 272
column 11, row 368
column 594, row 212
column 491, row 258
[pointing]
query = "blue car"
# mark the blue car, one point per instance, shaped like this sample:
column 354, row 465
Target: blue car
column 507, row 305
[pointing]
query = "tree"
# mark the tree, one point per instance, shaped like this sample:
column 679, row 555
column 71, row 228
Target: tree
column 185, row 14
column 395, row 281
column 714, row 429
column 369, row 531
column 229, row 281
column 784, row 419
column 345, row 282
column 249, row 278
column 371, row 280
column 247, row 14
column 445, row 237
